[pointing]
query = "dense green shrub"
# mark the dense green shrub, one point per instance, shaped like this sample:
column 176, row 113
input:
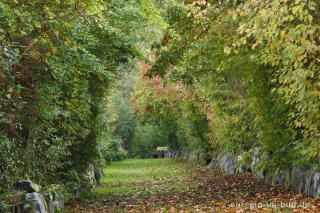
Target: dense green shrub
column 115, row 151
column 10, row 167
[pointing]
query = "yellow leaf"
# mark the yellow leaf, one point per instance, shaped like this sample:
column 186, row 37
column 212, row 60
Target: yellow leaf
column 234, row 17
column 241, row 13
column 298, row 124
column 263, row 12
column 54, row 50
column 227, row 50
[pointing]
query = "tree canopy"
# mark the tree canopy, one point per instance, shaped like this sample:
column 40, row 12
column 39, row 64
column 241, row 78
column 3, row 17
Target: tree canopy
column 79, row 79
column 234, row 75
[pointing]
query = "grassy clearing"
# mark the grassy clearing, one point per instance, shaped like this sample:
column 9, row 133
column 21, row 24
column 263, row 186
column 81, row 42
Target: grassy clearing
column 142, row 176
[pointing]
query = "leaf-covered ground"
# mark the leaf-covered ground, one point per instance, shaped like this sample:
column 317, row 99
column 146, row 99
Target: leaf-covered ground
column 163, row 185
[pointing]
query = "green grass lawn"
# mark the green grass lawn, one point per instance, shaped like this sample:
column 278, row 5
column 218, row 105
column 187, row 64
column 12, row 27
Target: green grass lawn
column 142, row 176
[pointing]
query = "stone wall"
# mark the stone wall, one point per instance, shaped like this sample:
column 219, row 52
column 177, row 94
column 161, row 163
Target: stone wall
column 35, row 200
column 300, row 180
column 188, row 156
column 172, row 154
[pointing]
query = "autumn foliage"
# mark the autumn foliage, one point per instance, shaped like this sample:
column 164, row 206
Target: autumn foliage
column 236, row 75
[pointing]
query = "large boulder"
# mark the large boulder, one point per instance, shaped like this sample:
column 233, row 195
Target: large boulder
column 316, row 185
column 309, row 181
column 242, row 166
column 35, row 203
column 228, row 164
column 255, row 160
column 94, row 174
column 98, row 174
column 27, row 186
column 172, row 154
column 302, row 183
column 215, row 163
column 212, row 164
column 279, row 177
column 177, row 154
column 268, row 176
column 90, row 174
column 56, row 203
column 297, row 179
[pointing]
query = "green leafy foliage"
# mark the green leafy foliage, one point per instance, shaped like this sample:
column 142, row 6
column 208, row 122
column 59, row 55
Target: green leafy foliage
column 223, row 76
column 9, row 167
column 138, row 139
column 147, row 138
column 58, row 60
column 114, row 151
column 250, row 69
